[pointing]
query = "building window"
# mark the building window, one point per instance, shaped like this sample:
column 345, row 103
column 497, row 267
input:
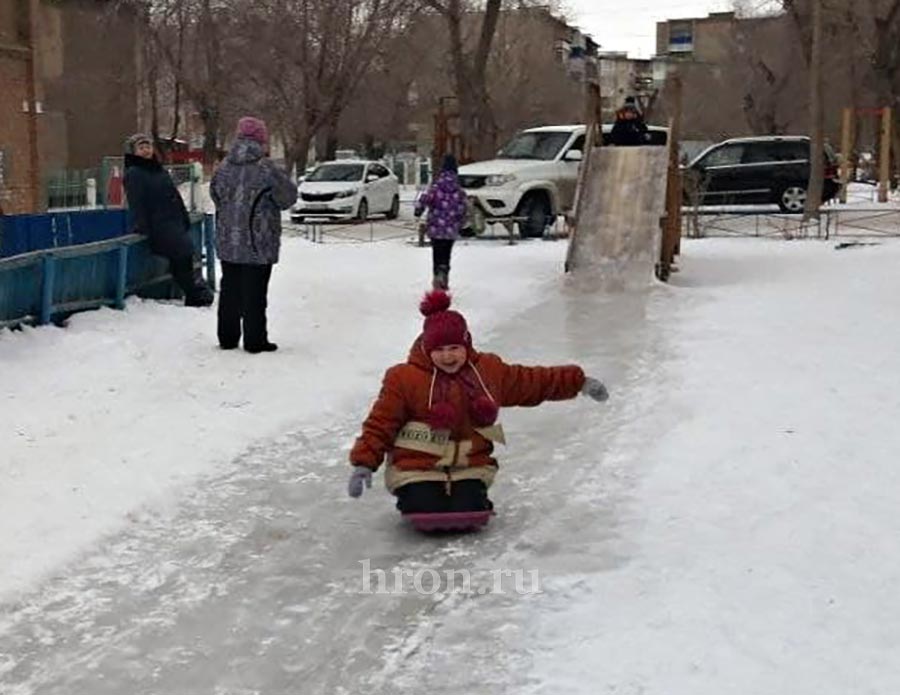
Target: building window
column 643, row 83
column 681, row 37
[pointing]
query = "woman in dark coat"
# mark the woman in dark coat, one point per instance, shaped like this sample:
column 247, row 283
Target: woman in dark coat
column 158, row 212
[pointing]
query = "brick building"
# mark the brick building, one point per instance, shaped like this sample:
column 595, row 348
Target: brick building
column 700, row 39
column 16, row 162
column 85, row 88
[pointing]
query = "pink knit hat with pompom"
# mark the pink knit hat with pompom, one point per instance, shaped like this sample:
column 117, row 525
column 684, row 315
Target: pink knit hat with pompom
column 442, row 326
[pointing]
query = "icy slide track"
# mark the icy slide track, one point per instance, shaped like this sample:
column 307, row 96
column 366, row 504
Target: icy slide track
column 254, row 585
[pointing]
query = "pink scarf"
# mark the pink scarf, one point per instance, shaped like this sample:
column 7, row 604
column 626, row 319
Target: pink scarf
column 482, row 407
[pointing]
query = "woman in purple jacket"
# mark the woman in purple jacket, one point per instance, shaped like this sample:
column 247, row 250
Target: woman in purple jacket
column 445, row 201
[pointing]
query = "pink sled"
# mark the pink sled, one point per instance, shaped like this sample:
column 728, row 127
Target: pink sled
column 449, row 521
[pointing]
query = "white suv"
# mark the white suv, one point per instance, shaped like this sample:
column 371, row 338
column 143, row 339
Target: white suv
column 534, row 176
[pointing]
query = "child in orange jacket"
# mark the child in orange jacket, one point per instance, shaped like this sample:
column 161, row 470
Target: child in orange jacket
column 436, row 416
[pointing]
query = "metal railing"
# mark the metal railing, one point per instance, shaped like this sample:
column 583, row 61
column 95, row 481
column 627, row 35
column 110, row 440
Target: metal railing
column 69, row 189
column 44, row 285
column 874, row 220
column 103, row 187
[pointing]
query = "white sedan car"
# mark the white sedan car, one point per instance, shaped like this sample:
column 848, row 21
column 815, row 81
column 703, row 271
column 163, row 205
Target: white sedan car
column 347, row 189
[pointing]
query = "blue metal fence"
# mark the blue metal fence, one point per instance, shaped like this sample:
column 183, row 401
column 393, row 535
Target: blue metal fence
column 42, row 285
column 26, row 233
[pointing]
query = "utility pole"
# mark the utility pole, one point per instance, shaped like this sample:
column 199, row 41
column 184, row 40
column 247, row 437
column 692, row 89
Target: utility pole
column 846, row 150
column 884, row 154
column 817, row 130
column 671, row 238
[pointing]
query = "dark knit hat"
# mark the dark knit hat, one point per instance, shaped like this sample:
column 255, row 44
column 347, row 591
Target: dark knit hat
column 449, row 163
column 442, row 326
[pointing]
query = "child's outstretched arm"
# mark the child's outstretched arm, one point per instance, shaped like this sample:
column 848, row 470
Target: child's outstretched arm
column 380, row 428
column 530, row 386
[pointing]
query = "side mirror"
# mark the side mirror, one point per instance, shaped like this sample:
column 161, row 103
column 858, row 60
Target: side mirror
column 574, row 156
column 372, row 177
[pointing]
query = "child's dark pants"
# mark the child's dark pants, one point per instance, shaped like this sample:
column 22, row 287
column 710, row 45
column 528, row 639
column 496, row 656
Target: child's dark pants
column 431, row 497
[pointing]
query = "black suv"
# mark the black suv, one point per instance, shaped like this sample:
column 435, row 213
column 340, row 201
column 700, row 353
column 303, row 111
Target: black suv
column 757, row 170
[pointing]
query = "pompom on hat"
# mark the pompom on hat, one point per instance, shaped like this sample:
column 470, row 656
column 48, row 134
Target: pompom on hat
column 442, row 326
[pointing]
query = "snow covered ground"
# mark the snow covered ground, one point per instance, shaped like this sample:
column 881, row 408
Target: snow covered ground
column 173, row 519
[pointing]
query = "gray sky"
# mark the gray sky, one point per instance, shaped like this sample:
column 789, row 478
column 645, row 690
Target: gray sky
column 630, row 25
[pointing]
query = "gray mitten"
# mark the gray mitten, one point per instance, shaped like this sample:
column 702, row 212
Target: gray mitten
column 361, row 476
column 594, row 388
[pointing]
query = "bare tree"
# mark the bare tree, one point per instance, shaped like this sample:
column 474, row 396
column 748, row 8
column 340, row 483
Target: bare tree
column 885, row 18
column 863, row 40
column 470, row 65
column 307, row 58
column 886, row 44
column 763, row 67
column 190, row 38
column 528, row 78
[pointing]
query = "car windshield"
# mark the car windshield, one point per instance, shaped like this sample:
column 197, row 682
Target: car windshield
column 337, row 172
column 534, row 145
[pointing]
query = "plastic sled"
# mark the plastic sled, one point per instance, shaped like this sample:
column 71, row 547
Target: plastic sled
column 449, row 521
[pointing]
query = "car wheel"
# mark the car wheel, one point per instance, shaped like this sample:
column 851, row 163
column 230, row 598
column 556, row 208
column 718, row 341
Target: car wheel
column 792, row 198
column 362, row 214
column 536, row 209
column 395, row 208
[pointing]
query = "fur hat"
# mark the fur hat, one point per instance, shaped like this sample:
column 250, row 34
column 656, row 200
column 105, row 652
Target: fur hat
column 442, row 326
column 253, row 129
column 131, row 144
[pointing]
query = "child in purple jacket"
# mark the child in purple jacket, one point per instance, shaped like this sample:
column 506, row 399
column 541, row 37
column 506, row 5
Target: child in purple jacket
column 445, row 201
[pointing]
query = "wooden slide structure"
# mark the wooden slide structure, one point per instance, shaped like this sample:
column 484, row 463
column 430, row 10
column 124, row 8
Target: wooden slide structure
column 627, row 213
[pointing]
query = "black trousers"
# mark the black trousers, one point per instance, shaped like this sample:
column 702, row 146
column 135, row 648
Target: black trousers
column 196, row 292
column 440, row 255
column 242, row 305
column 431, row 497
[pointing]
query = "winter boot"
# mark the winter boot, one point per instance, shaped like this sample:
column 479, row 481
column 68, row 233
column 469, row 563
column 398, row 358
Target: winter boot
column 441, row 280
column 265, row 347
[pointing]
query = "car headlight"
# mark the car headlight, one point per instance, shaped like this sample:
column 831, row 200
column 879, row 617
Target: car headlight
column 499, row 179
column 346, row 194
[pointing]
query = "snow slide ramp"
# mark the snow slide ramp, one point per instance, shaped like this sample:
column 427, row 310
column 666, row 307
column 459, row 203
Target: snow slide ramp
column 621, row 199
